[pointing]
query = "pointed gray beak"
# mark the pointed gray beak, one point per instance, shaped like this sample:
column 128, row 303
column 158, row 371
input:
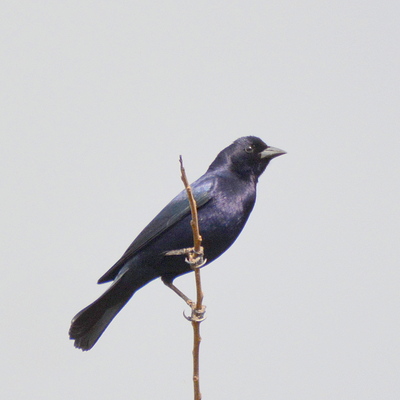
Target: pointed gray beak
column 271, row 152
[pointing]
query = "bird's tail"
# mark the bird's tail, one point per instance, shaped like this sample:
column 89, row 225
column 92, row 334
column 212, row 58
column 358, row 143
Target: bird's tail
column 89, row 324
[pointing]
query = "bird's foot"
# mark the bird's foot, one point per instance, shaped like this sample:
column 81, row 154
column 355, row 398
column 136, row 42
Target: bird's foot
column 197, row 315
column 194, row 258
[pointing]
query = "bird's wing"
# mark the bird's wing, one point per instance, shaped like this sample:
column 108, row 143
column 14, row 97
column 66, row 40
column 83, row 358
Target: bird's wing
column 173, row 212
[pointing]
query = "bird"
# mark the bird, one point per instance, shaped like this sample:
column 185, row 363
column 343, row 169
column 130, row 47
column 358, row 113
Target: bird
column 225, row 196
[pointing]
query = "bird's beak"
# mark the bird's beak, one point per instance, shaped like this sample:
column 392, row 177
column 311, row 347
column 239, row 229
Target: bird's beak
column 271, row 152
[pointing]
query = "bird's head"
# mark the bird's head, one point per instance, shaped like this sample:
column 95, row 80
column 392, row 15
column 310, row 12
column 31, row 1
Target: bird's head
column 247, row 156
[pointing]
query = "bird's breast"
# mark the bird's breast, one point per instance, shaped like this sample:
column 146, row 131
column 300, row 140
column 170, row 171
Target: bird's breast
column 223, row 218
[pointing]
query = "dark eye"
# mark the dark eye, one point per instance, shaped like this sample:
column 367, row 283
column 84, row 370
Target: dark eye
column 249, row 149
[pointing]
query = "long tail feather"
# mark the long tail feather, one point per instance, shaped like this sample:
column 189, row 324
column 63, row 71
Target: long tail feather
column 89, row 324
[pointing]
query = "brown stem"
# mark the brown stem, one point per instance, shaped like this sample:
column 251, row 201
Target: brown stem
column 193, row 208
column 199, row 299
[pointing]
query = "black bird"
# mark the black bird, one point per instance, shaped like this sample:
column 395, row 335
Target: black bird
column 225, row 196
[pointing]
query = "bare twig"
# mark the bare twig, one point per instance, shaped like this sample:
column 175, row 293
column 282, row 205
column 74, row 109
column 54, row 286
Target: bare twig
column 195, row 260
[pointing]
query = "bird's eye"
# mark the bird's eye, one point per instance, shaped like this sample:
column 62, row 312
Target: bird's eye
column 249, row 149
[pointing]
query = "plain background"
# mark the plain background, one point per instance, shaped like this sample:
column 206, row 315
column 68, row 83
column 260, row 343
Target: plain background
column 98, row 100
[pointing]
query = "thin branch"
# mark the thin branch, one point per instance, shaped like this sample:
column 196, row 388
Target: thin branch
column 194, row 222
column 196, row 260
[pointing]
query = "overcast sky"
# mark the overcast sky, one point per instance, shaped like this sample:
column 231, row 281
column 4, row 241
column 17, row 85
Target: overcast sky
column 99, row 99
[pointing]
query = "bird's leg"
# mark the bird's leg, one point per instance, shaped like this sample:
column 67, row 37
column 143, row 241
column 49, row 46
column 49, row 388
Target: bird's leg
column 196, row 315
column 196, row 260
column 182, row 295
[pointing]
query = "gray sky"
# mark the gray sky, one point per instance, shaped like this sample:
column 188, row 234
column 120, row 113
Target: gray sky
column 98, row 99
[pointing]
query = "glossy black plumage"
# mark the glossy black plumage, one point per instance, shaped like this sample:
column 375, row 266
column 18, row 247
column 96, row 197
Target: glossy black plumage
column 225, row 196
